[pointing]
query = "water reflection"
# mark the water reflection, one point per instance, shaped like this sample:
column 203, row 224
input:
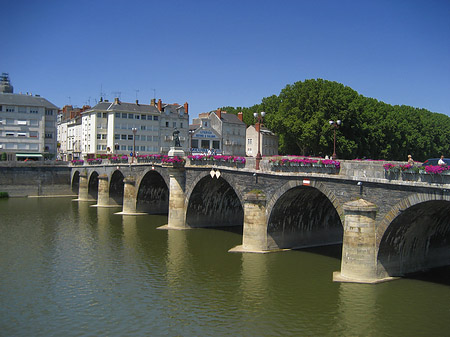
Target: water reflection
column 177, row 258
column 254, row 280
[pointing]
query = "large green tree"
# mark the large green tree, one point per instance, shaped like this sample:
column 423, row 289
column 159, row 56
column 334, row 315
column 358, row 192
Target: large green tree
column 370, row 129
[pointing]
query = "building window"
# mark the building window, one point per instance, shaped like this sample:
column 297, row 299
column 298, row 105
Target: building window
column 99, row 147
column 194, row 143
column 155, row 138
column 167, row 124
column 34, row 110
column 143, row 127
column 130, row 116
column 124, row 137
column 22, row 109
column 117, row 114
column 123, row 147
column 116, row 136
column 9, row 109
column 143, row 117
column 105, row 115
column 137, row 137
column 181, row 125
column 137, row 116
column 104, row 136
column 174, row 124
column 205, row 124
column 33, row 134
column 249, row 141
column 155, row 118
column 130, row 137
column 99, row 115
column 142, row 147
column 49, row 135
column 48, row 112
column 124, row 115
column 216, row 144
column 130, row 148
column 99, row 136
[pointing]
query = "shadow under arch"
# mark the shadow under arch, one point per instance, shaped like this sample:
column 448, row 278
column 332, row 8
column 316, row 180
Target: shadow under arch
column 417, row 239
column 153, row 194
column 75, row 185
column 116, row 186
column 93, row 185
column 302, row 216
column 214, row 203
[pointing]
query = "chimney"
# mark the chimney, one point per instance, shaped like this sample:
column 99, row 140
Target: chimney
column 219, row 113
column 159, row 105
column 116, row 100
column 153, row 102
column 137, row 102
column 257, row 127
column 186, row 107
column 240, row 116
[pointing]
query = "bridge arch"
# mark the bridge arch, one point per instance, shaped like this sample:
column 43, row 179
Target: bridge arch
column 303, row 216
column 213, row 202
column 75, row 181
column 93, row 185
column 116, row 187
column 414, row 235
column 153, row 193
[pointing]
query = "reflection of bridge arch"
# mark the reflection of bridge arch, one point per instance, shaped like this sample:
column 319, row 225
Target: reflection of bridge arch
column 303, row 216
column 75, row 184
column 116, row 187
column 93, row 185
column 414, row 236
column 153, row 194
column 213, row 202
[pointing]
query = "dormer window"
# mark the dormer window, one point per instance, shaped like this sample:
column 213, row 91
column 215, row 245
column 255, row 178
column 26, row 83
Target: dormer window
column 205, row 124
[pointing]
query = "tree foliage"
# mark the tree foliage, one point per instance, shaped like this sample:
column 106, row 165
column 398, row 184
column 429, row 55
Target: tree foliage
column 300, row 115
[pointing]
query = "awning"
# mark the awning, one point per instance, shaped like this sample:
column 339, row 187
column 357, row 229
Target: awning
column 28, row 155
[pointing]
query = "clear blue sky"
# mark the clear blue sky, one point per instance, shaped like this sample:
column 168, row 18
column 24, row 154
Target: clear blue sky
column 219, row 53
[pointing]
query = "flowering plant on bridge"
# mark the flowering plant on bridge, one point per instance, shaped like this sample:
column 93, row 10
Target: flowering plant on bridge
column 94, row 161
column 294, row 162
column 216, row 158
column 77, row 162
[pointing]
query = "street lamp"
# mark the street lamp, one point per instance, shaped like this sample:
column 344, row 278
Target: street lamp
column 259, row 119
column 335, row 125
column 134, row 143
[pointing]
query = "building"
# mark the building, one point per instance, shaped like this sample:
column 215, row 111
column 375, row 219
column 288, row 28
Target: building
column 269, row 141
column 69, row 132
column 219, row 131
column 123, row 128
column 27, row 124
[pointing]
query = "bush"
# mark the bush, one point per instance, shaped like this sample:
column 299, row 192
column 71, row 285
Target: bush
column 4, row 195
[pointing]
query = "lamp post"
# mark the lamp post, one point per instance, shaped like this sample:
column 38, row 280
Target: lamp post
column 259, row 119
column 134, row 143
column 335, row 125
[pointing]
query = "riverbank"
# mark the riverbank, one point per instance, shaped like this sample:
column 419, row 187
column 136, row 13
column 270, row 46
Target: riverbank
column 33, row 179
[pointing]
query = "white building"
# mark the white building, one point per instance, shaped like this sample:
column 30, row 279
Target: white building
column 269, row 141
column 121, row 128
column 27, row 124
column 69, row 132
column 219, row 131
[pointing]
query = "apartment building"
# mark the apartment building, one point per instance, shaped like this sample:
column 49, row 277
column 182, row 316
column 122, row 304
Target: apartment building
column 268, row 141
column 121, row 128
column 27, row 124
column 219, row 131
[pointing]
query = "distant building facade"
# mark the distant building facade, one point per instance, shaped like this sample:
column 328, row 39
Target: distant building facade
column 218, row 131
column 27, row 124
column 269, row 141
column 69, row 132
column 121, row 128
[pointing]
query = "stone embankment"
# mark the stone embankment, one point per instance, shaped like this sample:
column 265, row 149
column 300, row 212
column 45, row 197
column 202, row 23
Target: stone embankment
column 40, row 178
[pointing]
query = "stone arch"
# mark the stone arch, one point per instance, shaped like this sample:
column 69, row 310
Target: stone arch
column 414, row 235
column 75, row 181
column 153, row 193
column 303, row 216
column 116, row 187
column 213, row 202
column 225, row 175
column 315, row 184
column 93, row 184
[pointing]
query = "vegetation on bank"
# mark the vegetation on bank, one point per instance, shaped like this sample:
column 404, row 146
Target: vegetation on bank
column 300, row 115
column 4, row 195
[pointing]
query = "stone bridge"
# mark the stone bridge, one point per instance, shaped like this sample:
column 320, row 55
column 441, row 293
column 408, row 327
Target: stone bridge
column 388, row 228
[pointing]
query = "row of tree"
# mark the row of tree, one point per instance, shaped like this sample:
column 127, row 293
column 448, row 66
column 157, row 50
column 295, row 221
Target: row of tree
column 370, row 129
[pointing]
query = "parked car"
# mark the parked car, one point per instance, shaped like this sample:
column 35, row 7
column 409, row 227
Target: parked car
column 434, row 161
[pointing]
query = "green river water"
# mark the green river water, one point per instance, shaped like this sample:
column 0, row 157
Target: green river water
column 68, row 269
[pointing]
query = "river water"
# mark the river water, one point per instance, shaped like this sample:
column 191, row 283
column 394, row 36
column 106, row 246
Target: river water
column 68, row 269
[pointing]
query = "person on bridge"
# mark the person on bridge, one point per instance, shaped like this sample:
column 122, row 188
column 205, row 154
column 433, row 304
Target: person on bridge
column 441, row 162
column 410, row 160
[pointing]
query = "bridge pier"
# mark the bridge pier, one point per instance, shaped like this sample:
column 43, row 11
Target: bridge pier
column 129, row 196
column 177, row 207
column 83, row 187
column 103, row 191
column 254, row 238
column 359, row 259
